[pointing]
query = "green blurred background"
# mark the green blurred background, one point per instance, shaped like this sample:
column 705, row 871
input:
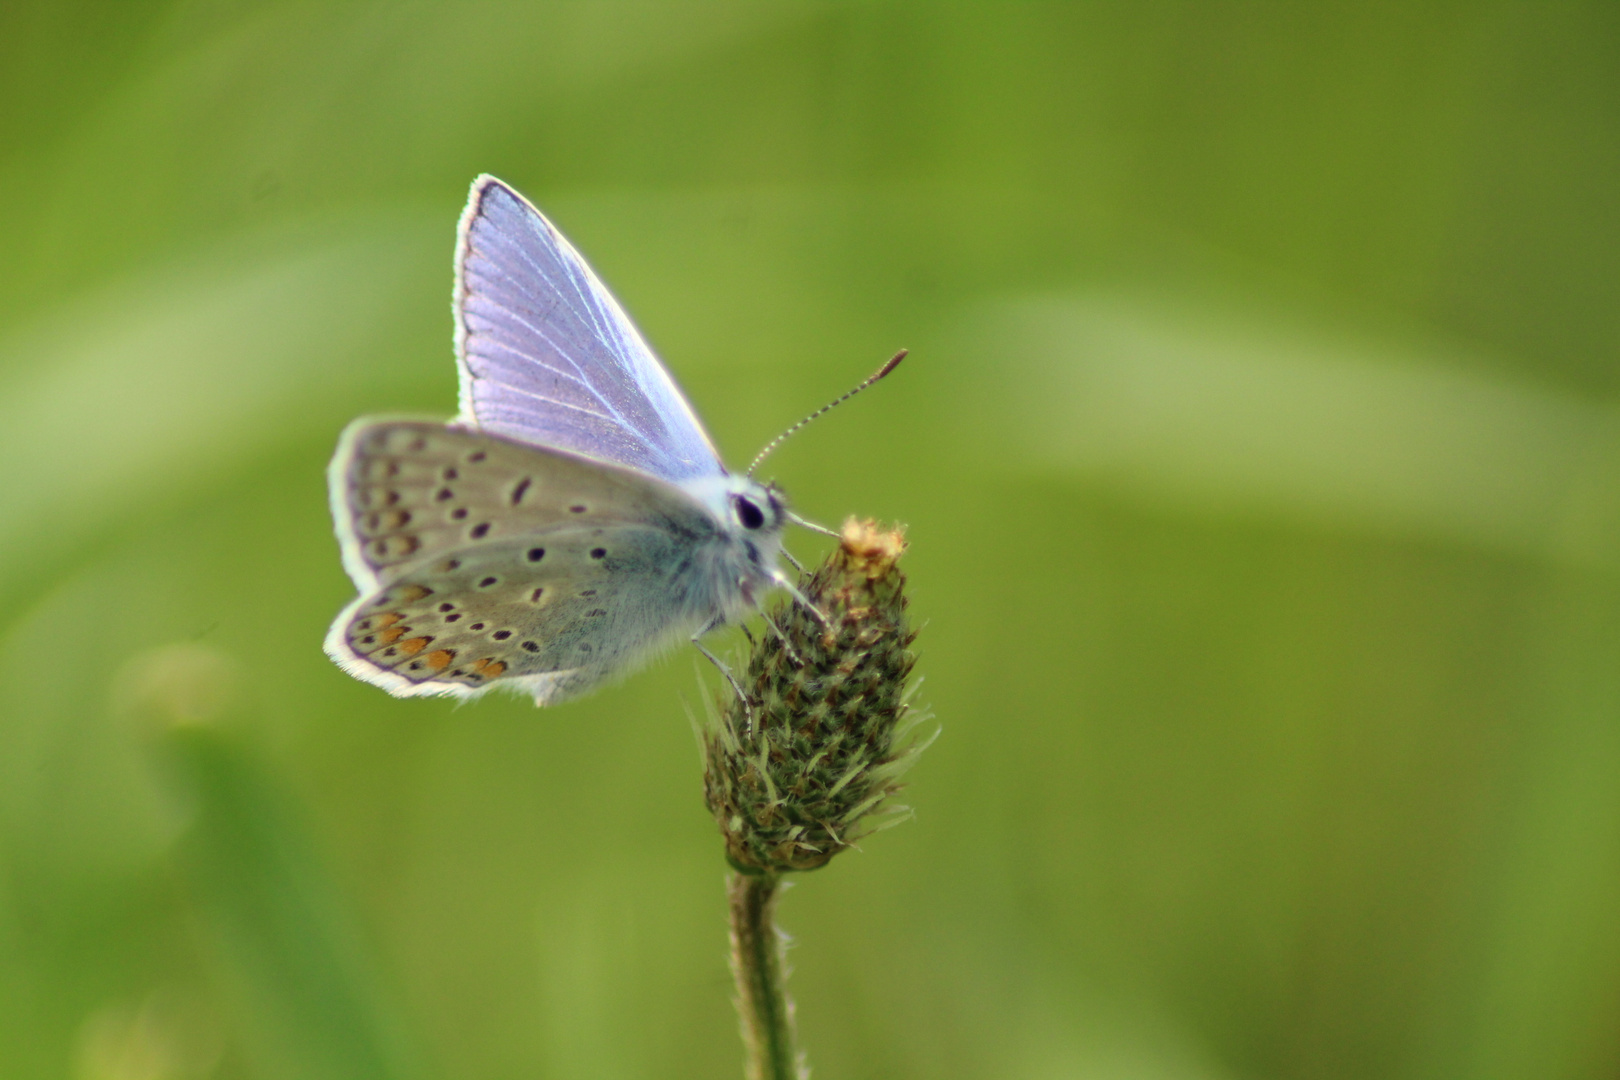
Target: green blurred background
column 1259, row 451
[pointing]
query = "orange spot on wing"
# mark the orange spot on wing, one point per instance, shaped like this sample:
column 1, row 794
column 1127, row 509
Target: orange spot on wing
column 391, row 635
column 402, row 546
column 414, row 645
column 488, row 667
column 388, row 619
column 412, row 593
column 439, row 659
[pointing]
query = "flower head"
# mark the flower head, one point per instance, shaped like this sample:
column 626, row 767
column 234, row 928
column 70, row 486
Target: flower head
column 797, row 767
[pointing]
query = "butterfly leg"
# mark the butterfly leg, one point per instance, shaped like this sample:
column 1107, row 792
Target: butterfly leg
column 787, row 648
column 795, row 563
column 697, row 643
column 781, row 579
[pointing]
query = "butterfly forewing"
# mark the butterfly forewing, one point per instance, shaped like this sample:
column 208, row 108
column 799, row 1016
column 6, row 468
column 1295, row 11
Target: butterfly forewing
column 548, row 356
column 406, row 491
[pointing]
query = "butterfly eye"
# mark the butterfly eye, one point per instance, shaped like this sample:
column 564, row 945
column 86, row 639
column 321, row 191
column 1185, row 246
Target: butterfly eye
column 751, row 516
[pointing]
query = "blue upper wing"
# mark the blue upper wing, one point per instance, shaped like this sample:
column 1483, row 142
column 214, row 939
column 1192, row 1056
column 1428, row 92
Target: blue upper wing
column 547, row 355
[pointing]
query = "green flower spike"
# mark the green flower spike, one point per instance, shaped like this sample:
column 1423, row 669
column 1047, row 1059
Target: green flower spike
column 804, row 764
column 794, row 773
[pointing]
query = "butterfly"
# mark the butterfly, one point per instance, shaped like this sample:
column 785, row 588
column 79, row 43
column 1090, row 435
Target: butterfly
column 570, row 522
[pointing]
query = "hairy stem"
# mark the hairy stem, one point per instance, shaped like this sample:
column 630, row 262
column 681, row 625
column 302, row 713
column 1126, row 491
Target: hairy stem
column 758, row 965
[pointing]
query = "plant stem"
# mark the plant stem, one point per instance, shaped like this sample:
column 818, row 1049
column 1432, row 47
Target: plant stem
column 758, row 964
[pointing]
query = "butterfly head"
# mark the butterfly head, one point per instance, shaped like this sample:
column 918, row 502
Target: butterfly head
column 754, row 508
column 751, row 516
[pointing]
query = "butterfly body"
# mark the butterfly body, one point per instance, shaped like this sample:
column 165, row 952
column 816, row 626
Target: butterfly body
column 572, row 521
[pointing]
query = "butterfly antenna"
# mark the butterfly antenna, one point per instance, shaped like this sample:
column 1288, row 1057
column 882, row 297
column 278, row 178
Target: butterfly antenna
column 893, row 363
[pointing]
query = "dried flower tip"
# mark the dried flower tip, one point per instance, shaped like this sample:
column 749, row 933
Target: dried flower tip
column 871, row 548
column 794, row 773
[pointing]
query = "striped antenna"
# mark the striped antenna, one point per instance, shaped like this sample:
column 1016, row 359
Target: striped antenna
column 893, row 363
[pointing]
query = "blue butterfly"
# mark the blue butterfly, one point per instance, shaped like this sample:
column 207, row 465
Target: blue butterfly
column 570, row 522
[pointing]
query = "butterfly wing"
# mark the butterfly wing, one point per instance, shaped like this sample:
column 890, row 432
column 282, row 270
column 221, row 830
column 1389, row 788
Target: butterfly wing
column 547, row 356
column 482, row 561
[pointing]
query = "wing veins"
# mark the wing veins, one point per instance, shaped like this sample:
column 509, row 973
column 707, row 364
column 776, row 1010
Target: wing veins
column 570, row 267
column 520, row 355
column 540, row 363
column 596, row 328
column 578, row 279
column 554, row 401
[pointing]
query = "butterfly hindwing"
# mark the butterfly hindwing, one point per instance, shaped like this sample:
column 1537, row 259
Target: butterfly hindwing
column 595, row 600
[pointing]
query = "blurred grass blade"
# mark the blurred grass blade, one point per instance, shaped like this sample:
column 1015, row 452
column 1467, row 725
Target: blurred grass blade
column 1204, row 407
column 1542, row 1000
column 311, row 1008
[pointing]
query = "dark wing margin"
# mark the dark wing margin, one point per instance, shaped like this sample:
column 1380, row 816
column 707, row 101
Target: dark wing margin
column 548, row 357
